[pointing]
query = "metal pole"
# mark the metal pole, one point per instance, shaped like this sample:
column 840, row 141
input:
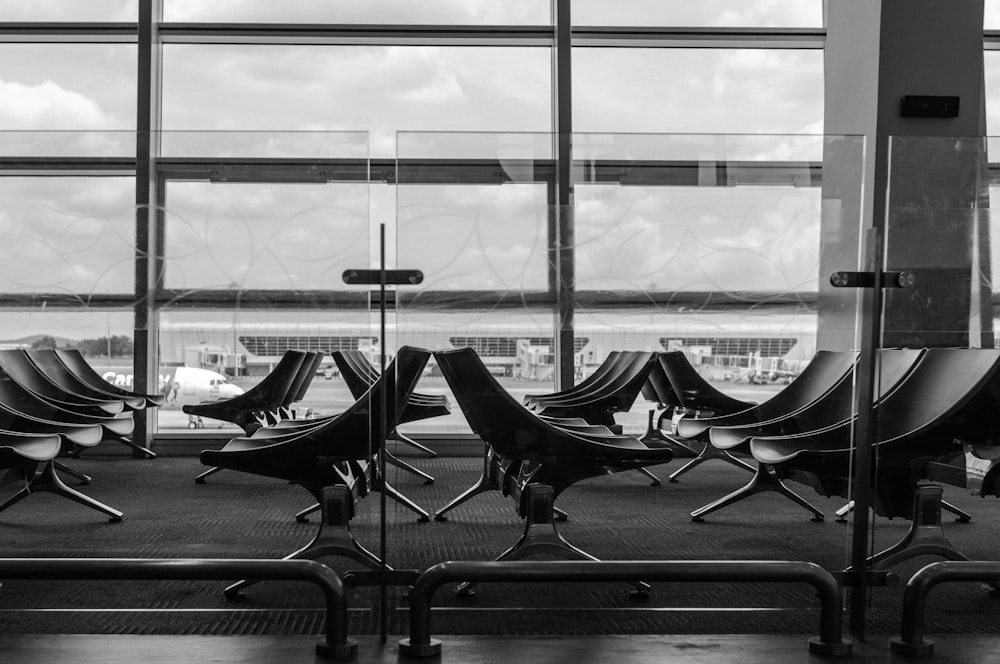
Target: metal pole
column 335, row 646
column 383, row 532
column 148, row 239
column 565, row 272
column 420, row 644
column 865, row 431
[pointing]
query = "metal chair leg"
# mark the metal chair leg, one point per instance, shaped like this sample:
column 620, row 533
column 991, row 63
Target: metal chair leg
column 763, row 480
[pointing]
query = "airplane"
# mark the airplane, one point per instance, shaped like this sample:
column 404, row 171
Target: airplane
column 181, row 386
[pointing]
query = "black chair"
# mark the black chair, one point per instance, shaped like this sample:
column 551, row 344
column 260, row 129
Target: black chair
column 335, row 459
column 248, row 410
column 536, row 459
column 825, row 372
column 615, row 393
column 299, row 387
column 612, row 387
column 697, row 395
column 71, row 437
column 949, row 396
column 49, row 364
column 23, row 401
column 657, row 389
column 610, row 366
column 78, row 365
column 17, row 365
column 22, row 453
column 832, row 407
column 359, row 374
column 267, row 402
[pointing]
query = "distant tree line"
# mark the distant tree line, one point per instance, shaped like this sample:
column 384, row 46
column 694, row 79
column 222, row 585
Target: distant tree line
column 115, row 346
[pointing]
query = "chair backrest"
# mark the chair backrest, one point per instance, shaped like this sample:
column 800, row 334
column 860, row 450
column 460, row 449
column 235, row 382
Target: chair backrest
column 694, row 392
column 47, row 362
column 275, row 387
column 657, row 388
column 610, row 367
column 513, row 431
column 17, row 365
column 24, row 402
column 356, row 371
column 616, row 393
column 834, row 406
column 303, row 377
column 358, row 428
column 943, row 382
column 78, row 365
column 824, row 372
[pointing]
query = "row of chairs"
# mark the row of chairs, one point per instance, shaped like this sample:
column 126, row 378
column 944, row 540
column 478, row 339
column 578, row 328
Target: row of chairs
column 533, row 450
column 53, row 403
column 936, row 414
column 538, row 448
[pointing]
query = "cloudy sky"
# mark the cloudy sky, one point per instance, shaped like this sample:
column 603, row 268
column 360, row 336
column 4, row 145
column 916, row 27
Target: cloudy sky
column 301, row 236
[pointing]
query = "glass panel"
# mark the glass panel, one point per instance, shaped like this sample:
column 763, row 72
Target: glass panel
column 257, row 226
column 67, row 86
column 710, row 13
column 696, row 90
column 512, row 12
column 82, row 229
column 934, row 435
column 473, row 214
column 70, row 10
column 378, row 88
column 708, row 246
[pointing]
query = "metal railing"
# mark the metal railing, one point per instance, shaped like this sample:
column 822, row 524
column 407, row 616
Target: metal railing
column 911, row 640
column 335, row 646
column 830, row 642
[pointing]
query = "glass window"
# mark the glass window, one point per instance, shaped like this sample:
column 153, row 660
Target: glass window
column 715, row 13
column 698, row 90
column 510, row 12
column 264, row 235
column 70, row 10
column 67, row 235
column 67, row 86
column 374, row 88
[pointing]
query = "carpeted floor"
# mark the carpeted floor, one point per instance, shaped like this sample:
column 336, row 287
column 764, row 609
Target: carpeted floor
column 618, row 517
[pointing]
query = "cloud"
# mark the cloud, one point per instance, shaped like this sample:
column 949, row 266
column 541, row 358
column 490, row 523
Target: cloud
column 48, row 105
column 370, row 11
